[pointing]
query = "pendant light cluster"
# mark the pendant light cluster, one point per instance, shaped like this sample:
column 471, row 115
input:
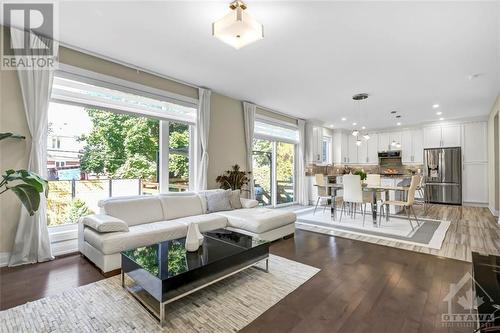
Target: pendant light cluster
column 355, row 132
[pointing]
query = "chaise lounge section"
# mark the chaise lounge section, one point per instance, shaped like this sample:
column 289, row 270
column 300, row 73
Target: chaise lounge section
column 129, row 222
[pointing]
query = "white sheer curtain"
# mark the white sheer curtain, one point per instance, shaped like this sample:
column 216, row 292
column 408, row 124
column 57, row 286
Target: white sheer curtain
column 32, row 242
column 249, row 117
column 302, row 191
column 202, row 129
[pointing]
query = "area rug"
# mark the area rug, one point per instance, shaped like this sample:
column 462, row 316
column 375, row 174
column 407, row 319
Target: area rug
column 429, row 234
column 103, row 306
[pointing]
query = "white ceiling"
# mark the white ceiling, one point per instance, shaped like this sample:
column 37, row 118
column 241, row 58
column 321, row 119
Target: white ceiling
column 315, row 55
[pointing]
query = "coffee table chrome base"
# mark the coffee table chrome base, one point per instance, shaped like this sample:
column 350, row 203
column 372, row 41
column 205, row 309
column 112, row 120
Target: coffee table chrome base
column 162, row 315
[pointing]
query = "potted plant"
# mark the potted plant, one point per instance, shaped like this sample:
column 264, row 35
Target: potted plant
column 234, row 179
column 27, row 186
column 361, row 173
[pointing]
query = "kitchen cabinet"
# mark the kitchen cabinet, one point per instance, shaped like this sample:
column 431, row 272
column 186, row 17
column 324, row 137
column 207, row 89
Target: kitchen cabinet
column 475, row 147
column 352, row 150
column 442, row 136
column 412, row 146
column 372, row 149
column 314, row 143
column 340, row 147
column 450, row 136
column 475, row 183
column 383, row 142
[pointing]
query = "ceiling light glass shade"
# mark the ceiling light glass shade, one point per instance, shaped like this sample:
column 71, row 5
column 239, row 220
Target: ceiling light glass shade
column 393, row 143
column 366, row 137
column 355, row 133
column 358, row 142
column 238, row 28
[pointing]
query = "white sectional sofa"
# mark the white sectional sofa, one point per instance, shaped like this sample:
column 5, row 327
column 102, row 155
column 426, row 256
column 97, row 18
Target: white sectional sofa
column 151, row 219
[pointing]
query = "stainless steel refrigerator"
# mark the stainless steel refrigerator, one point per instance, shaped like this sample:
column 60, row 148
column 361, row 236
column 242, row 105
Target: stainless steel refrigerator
column 443, row 175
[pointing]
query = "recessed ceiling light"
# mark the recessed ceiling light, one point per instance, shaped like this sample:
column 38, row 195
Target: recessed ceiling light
column 354, row 124
column 435, row 106
column 331, row 126
column 441, row 118
column 399, row 124
column 363, row 127
column 439, row 113
column 344, row 118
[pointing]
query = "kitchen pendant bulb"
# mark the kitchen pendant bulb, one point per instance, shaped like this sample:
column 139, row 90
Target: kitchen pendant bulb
column 355, row 133
column 393, row 143
column 358, row 142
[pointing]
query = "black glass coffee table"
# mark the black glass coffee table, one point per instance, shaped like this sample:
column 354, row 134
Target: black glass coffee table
column 164, row 272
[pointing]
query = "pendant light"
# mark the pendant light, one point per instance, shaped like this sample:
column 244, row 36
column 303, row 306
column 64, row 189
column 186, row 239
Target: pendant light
column 360, row 97
column 238, row 28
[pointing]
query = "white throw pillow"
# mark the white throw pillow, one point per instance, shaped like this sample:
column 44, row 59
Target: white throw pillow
column 104, row 223
column 235, row 199
column 218, row 201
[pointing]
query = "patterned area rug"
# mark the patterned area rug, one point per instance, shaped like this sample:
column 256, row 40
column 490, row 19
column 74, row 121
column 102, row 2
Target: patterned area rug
column 103, row 306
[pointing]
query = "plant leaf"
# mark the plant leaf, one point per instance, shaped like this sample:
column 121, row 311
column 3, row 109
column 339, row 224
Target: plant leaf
column 5, row 135
column 29, row 197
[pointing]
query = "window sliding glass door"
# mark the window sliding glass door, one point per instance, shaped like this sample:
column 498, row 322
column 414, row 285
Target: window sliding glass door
column 273, row 171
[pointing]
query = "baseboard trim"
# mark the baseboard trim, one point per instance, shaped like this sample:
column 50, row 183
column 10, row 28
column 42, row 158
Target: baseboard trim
column 4, row 258
column 493, row 211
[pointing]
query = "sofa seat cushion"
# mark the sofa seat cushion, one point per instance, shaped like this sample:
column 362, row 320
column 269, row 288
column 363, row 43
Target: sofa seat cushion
column 206, row 222
column 138, row 235
column 258, row 220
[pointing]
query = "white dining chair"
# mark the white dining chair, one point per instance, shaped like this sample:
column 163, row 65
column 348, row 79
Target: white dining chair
column 372, row 180
column 323, row 190
column 353, row 195
column 408, row 204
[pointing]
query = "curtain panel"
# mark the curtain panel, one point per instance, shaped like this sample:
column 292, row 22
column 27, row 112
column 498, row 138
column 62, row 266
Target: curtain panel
column 202, row 130
column 249, row 119
column 32, row 243
column 302, row 190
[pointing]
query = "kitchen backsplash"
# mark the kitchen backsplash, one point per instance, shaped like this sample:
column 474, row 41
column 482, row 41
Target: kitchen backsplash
column 334, row 170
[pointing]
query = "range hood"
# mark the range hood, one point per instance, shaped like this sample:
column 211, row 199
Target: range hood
column 390, row 158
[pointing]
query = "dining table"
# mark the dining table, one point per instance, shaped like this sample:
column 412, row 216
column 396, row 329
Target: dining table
column 373, row 189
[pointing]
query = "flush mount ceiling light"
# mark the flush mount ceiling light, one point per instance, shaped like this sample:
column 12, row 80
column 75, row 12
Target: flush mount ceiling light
column 238, row 28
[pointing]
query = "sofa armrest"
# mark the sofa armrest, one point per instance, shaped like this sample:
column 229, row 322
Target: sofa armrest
column 249, row 203
column 104, row 223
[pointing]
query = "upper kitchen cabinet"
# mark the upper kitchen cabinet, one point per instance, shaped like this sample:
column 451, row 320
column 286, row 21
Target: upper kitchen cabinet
column 475, row 142
column 372, row 149
column 412, row 146
column 384, row 141
column 340, row 147
column 319, row 145
column 352, row 150
column 442, row 136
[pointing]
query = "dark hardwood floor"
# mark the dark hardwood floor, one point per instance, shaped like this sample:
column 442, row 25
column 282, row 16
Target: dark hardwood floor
column 361, row 287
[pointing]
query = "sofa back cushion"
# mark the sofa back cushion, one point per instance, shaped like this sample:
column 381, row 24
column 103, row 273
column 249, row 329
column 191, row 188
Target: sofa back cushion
column 218, row 201
column 177, row 206
column 203, row 198
column 134, row 210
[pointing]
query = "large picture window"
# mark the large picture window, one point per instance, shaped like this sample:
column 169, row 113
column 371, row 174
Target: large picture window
column 99, row 151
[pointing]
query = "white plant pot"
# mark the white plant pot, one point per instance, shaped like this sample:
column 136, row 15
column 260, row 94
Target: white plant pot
column 194, row 238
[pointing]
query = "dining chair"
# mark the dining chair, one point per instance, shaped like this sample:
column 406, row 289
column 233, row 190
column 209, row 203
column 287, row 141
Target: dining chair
column 372, row 180
column 408, row 204
column 323, row 190
column 353, row 195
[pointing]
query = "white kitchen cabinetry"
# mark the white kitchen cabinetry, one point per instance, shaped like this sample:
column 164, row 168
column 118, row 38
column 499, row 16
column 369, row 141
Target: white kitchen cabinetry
column 442, row 136
column 340, row 147
column 314, row 144
column 383, row 142
column 475, row 142
column 475, row 183
column 412, row 146
column 372, row 149
column 352, row 150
